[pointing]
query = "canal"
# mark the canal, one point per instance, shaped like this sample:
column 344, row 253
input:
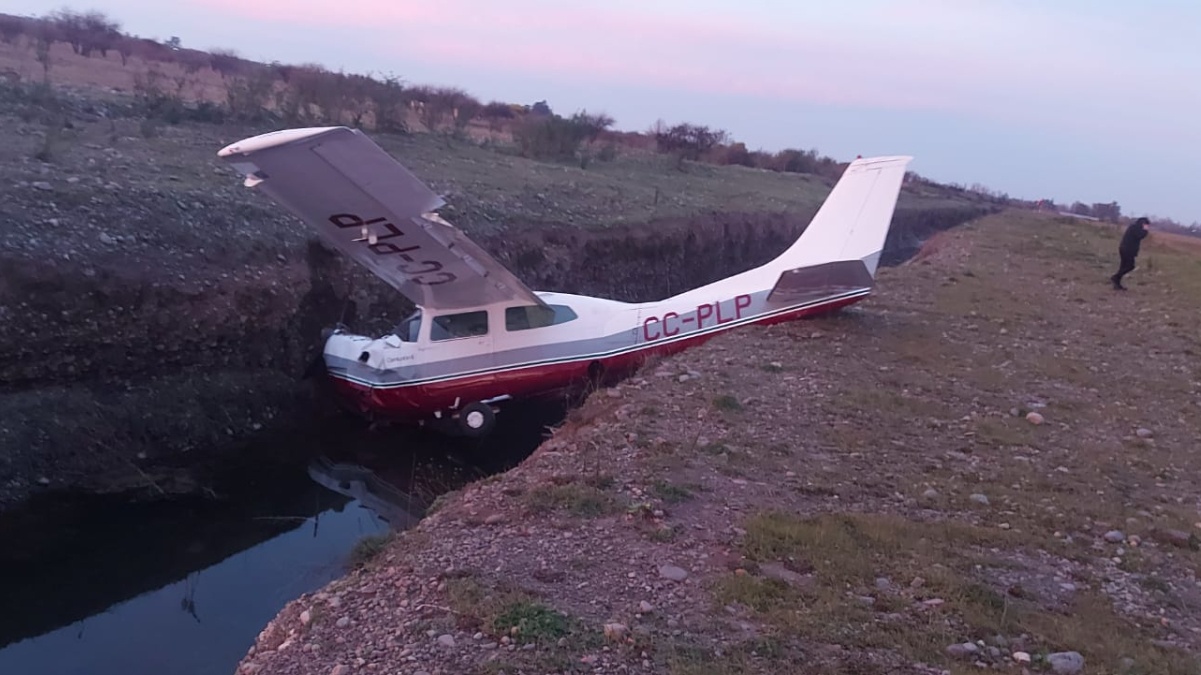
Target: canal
column 112, row 585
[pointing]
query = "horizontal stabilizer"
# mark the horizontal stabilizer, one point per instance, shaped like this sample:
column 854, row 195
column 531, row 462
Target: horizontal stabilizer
column 821, row 282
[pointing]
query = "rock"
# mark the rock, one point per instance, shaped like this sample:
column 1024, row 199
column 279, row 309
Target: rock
column 1021, row 657
column 1066, row 663
column 979, row 499
column 673, row 573
column 494, row 519
column 883, row 584
column 780, row 573
column 446, row 640
column 343, row 622
column 1035, row 418
column 42, row 185
column 962, row 650
column 1115, row 537
column 645, row 607
column 305, row 617
column 930, row 494
column 615, row 631
column 340, row 669
column 107, row 239
column 1178, row 538
column 1144, row 433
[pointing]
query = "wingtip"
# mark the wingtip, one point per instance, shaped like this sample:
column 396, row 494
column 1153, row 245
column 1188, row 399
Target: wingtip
column 273, row 139
column 882, row 159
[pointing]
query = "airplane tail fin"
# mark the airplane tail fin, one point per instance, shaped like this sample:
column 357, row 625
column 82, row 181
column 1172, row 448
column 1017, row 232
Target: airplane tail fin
column 853, row 223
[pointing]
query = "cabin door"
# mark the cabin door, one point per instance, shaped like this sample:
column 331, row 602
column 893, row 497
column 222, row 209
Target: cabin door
column 457, row 356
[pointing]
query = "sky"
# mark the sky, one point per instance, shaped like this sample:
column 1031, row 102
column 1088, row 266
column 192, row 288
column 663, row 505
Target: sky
column 1090, row 100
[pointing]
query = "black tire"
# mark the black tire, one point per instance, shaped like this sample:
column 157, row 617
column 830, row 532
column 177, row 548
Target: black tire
column 476, row 420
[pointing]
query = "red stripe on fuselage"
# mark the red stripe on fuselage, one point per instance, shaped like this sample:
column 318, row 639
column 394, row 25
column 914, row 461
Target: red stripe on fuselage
column 423, row 400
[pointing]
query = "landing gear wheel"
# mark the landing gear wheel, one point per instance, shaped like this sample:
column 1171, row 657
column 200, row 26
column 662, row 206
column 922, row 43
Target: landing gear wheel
column 476, row 419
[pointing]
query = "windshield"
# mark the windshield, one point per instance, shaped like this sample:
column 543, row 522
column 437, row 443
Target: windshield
column 407, row 330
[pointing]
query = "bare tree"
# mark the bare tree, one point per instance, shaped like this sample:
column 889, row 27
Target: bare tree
column 687, row 141
column 86, row 32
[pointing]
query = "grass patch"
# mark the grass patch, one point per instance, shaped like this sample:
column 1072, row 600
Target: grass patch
column 671, row 493
column 727, row 402
column 532, row 621
column 515, row 613
column 366, row 549
column 580, row 499
column 847, row 553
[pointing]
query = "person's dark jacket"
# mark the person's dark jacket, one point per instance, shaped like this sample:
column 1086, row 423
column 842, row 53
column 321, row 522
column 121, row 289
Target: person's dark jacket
column 1133, row 238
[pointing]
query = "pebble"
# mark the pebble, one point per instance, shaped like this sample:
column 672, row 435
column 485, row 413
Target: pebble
column 645, row 607
column 1115, row 536
column 305, row 617
column 930, row 494
column 1021, row 657
column 446, row 640
column 673, row 573
column 1144, row 433
column 1066, row 663
column 1035, row 418
column 343, row 622
column 979, row 499
column 340, row 669
column 615, row 631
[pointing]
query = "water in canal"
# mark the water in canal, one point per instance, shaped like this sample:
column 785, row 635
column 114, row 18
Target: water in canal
column 114, row 586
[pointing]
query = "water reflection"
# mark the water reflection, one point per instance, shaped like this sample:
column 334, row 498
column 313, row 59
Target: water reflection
column 98, row 585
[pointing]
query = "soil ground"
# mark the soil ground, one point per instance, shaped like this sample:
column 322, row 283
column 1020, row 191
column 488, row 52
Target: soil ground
column 990, row 464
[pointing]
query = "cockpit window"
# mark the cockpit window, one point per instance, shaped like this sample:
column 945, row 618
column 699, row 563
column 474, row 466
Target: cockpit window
column 407, row 330
column 451, row 326
column 536, row 316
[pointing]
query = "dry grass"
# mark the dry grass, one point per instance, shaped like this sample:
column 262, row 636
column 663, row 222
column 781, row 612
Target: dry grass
column 923, row 577
column 898, row 415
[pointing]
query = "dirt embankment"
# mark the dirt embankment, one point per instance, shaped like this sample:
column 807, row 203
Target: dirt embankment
column 152, row 305
column 942, row 480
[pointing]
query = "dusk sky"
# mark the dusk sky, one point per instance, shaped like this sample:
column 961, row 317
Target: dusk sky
column 1094, row 100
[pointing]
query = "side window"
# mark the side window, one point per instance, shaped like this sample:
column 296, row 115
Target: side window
column 451, row 326
column 536, row 316
column 407, row 330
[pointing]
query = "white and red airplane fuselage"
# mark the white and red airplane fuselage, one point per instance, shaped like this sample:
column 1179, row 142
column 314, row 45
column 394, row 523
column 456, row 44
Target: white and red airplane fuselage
column 479, row 336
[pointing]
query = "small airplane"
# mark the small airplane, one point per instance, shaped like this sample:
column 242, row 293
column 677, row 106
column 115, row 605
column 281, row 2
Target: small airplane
column 479, row 336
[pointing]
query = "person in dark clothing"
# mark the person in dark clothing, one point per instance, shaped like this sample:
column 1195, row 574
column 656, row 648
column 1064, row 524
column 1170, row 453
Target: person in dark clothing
column 1132, row 239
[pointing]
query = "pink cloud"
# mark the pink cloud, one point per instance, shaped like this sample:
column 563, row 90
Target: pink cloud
column 721, row 54
column 912, row 54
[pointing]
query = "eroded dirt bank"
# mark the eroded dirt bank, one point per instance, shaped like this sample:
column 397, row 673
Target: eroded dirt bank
column 151, row 306
column 940, row 480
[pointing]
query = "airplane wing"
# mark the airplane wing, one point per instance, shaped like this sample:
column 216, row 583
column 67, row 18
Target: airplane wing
column 365, row 204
